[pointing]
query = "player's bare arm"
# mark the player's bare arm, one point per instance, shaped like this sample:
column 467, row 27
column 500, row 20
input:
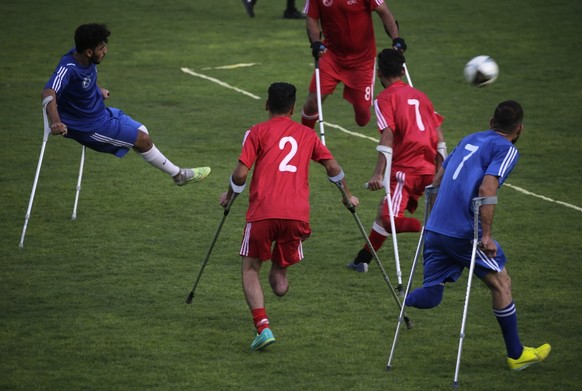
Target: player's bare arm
column 488, row 188
column 313, row 29
column 104, row 92
column 333, row 169
column 239, row 178
column 57, row 127
column 388, row 21
column 376, row 181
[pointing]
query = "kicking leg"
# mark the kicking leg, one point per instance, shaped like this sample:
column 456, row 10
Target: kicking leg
column 147, row 150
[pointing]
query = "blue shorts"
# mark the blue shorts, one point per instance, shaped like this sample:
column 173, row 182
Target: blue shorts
column 445, row 258
column 117, row 136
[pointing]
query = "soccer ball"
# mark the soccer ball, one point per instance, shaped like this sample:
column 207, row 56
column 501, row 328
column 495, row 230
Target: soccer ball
column 481, row 71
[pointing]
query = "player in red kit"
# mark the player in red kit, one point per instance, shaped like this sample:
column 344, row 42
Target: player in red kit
column 411, row 137
column 277, row 220
column 347, row 52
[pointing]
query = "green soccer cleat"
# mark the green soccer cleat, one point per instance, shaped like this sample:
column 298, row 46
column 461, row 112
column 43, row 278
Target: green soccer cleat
column 187, row 175
column 529, row 357
column 263, row 340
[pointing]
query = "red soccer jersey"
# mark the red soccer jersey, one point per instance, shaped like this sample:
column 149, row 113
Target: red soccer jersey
column 281, row 150
column 347, row 27
column 411, row 116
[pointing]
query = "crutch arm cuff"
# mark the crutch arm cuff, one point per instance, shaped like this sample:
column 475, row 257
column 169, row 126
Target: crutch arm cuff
column 442, row 149
column 237, row 188
column 338, row 178
column 491, row 200
column 46, row 100
column 384, row 149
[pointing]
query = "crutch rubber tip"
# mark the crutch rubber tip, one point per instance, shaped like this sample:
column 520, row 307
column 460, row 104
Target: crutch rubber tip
column 189, row 298
column 409, row 324
column 455, row 385
column 388, row 367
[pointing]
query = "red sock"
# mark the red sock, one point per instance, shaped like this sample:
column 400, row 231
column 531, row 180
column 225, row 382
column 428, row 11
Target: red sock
column 376, row 239
column 260, row 319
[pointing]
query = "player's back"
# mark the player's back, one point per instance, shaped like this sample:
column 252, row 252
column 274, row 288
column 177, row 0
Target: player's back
column 411, row 116
column 281, row 150
column 477, row 155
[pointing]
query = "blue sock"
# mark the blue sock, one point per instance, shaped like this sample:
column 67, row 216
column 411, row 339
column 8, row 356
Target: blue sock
column 507, row 318
column 426, row 297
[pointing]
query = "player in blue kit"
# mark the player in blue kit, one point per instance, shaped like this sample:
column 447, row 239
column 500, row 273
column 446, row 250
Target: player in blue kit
column 477, row 167
column 78, row 109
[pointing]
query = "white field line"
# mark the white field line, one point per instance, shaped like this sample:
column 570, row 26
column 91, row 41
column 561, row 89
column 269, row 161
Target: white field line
column 350, row 132
column 220, row 83
column 356, row 134
column 544, row 197
column 233, row 66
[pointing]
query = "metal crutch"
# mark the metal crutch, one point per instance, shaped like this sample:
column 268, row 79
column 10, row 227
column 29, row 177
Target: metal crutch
column 47, row 131
column 352, row 209
column 428, row 193
column 477, row 203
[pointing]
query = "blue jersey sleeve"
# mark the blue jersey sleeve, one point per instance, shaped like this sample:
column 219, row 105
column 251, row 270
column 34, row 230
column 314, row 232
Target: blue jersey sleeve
column 504, row 159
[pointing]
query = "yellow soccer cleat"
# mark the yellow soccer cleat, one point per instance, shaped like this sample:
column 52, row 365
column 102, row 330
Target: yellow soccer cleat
column 191, row 175
column 529, row 356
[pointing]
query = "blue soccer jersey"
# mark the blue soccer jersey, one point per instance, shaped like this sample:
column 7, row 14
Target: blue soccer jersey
column 477, row 155
column 79, row 98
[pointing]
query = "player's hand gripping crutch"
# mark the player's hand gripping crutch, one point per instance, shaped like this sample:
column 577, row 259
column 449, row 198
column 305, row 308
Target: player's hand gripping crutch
column 387, row 153
column 205, row 261
column 47, row 131
column 352, row 209
column 428, row 194
column 319, row 104
column 477, row 203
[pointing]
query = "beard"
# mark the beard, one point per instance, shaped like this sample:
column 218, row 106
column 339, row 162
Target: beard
column 515, row 139
column 96, row 60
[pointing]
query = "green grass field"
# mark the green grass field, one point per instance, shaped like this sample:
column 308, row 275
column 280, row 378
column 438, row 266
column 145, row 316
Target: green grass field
column 98, row 303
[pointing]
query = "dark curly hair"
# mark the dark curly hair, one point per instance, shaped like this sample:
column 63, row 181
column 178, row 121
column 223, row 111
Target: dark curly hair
column 508, row 114
column 390, row 62
column 281, row 97
column 89, row 36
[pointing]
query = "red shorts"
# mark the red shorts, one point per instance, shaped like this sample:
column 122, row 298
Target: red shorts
column 358, row 79
column 287, row 236
column 405, row 190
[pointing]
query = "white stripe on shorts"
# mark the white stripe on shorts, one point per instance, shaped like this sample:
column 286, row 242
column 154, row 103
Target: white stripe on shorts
column 244, row 247
column 300, row 250
column 108, row 140
column 397, row 196
column 490, row 262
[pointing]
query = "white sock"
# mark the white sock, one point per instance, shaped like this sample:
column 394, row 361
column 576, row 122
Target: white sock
column 157, row 159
